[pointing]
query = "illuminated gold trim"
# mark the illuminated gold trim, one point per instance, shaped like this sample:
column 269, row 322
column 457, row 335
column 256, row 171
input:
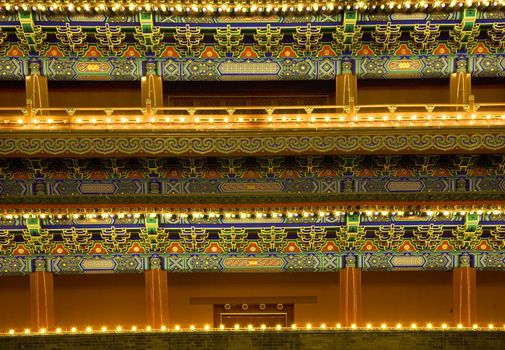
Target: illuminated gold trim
column 240, row 118
column 228, row 7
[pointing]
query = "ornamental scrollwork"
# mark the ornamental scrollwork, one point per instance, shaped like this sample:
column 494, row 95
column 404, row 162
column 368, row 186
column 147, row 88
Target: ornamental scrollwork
column 77, row 240
column 154, row 240
column 233, row 167
column 233, row 239
column 272, row 239
column 38, row 241
column 229, row 41
column 149, row 37
column 115, row 239
column 386, row 38
column 345, row 41
column 350, row 237
column 307, row 39
column 189, row 40
column 389, row 237
column 32, row 39
column 194, row 239
column 268, row 40
column 111, row 40
column 311, row 238
column 72, row 39
column 497, row 239
column 496, row 37
column 425, row 37
column 466, row 237
column 462, row 38
column 427, row 237
column 3, row 43
column 7, row 242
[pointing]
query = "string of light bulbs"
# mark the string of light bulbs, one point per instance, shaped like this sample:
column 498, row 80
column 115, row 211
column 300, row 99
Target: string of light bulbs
column 414, row 326
column 243, row 7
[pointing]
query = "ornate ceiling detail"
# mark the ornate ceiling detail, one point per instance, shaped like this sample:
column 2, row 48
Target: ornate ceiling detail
column 280, row 46
column 72, row 39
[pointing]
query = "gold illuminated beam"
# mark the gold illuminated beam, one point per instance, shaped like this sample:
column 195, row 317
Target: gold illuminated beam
column 248, row 214
column 254, row 118
column 229, row 7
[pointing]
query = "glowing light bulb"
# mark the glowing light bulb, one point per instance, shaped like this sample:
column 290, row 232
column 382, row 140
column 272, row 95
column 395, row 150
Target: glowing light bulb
column 27, row 331
column 490, row 326
column 429, row 326
column 398, row 326
column 354, row 326
column 293, row 326
column 323, row 326
column 278, row 327
column 444, row 325
column 134, row 328
column 250, row 327
column 384, row 326
column 338, row 326
column 89, row 329
column 237, row 326
column 58, row 330
column 163, row 328
column 11, row 331
column 103, row 329
column 206, row 327
column 368, row 326
column 460, row 326
column 308, row 326
column 119, row 329
column 192, row 327
column 148, row 328
column 413, row 326
column 221, row 326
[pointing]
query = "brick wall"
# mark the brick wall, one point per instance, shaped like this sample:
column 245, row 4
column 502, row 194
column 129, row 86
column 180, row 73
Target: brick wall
column 320, row 340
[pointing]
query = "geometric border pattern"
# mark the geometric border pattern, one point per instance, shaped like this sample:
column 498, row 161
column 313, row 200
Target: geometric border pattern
column 200, row 69
column 275, row 262
column 330, row 141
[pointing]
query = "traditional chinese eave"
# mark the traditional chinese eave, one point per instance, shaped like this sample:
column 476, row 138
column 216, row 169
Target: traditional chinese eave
column 241, row 7
column 279, row 46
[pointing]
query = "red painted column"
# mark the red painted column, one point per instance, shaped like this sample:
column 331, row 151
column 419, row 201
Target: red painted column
column 156, row 295
column 464, row 293
column 41, row 297
column 350, row 293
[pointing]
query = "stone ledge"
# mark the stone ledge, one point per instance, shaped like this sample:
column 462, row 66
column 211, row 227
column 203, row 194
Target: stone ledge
column 256, row 340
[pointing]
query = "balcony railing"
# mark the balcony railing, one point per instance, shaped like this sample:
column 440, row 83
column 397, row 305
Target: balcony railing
column 260, row 117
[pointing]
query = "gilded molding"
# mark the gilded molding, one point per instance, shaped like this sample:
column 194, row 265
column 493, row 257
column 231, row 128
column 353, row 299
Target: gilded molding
column 238, row 143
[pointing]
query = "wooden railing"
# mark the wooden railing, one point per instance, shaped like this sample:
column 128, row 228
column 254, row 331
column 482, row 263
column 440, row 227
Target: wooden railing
column 184, row 118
